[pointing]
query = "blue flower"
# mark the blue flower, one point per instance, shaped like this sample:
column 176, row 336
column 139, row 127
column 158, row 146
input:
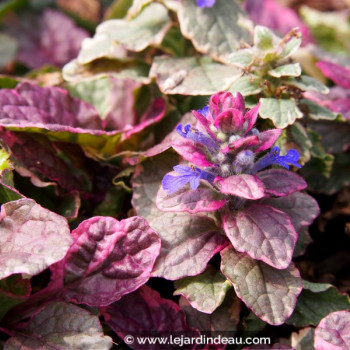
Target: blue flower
column 204, row 111
column 196, row 136
column 191, row 175
column 205, row 3
column 273, row 157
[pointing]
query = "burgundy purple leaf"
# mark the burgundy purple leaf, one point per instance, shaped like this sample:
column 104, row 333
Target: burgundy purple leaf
column 108, row 259
column 245, row 186
column 301, row 208
column 60, row 326
column 333, row 332
column 335, row 72
column 263, row 232
column 279, row 182
column 36, row 157
column 145, row 313
column 188, row 243
column 192, row 201
column 43, row 40
column 271, row 294
column 32, row 238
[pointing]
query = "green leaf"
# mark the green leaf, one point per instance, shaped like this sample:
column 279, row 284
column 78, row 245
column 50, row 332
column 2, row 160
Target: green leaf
column 247, row 85
column 147, row 28
column 13, row 291
column 10, row 5
column 306, row 83
column 205, row 292
column 106, row 94
column 315, row 302
column 287, row 70
column 75, row 72
column 255, row 283
column 96, row 92
column 242, row 58
column 282, row 112
column 118, row 9
column 191, row 76
column 263, row 38
column 7, row 82
column 8, row 49
column 316, row 112
column 290, row 47
column 174, row 43
column 216, row 31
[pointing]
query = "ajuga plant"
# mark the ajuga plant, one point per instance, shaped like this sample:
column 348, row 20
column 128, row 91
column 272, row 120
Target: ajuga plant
column 231, row 173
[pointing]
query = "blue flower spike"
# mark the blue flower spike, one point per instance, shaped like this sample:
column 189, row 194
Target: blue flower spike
column 274, row 157
column 193, row 134
column 189, row 174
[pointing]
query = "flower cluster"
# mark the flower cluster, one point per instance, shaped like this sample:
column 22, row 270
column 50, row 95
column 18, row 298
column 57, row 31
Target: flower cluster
column 225, row 144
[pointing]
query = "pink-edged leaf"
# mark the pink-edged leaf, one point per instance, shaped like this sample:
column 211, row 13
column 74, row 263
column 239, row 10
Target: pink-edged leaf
column 245, row 186
column 35, row 156
column 192, row 152
column 270, row 13
column 108, row 259
column 244, row 142
column 152, row 115
column 43, row 40
column 229, row 121
column 264, row 233
column 335, row 72
column 145, row 313
column 338, row 100
column 251, row 116
column 279, row 182
column 301, row 208
column 267, row 139
column 333, row 332
column 205, row 292
column 53, row 112
column 191, row 201
column 188, row 243
column 46, row 107
column 224, row 319
column 60, row 326
column 31, row 238
column 271, row 294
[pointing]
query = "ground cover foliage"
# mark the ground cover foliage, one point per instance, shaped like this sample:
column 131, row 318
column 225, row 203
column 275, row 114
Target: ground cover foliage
column 174, row 167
